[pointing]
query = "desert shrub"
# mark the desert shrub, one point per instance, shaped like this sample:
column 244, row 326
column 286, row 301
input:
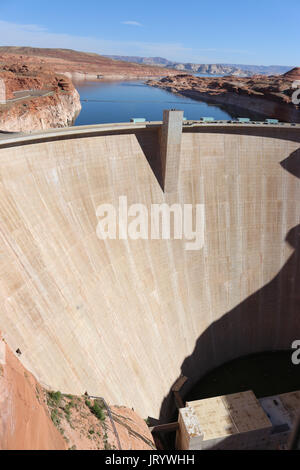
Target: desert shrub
column 55, row 417
column 69, row 396
column 54, row 397
column 96, row 409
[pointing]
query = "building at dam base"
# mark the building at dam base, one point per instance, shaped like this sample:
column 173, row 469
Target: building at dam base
column 238, row 422
column 124, row 319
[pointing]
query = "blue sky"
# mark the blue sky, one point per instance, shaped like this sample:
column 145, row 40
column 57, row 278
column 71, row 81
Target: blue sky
column 261, row 32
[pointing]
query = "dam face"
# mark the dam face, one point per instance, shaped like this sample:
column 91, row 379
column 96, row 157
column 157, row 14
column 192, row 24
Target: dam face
column 124, row 319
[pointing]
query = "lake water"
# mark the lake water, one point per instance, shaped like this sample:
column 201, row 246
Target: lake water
column 111, row 101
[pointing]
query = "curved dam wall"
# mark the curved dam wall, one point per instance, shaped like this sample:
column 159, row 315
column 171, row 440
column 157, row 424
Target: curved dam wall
column 124, row 318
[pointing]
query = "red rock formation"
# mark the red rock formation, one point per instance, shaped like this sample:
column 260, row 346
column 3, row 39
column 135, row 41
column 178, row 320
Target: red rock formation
column 31, row 420
column 270, row 96
column 80, row 65
column 57, row 105
column 293, row 74
column 24, row 419
column 133, row 432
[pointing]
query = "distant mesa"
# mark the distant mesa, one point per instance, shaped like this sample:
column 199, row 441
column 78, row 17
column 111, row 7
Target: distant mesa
column 240, row 70
column 79, row 65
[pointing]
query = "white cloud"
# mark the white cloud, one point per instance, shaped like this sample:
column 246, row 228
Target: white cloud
column 33, row 27
column 13, row 34
column 132, row 23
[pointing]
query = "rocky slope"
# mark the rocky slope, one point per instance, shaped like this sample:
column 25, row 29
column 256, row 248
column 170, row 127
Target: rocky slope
column 33, row 418
column 269, row 96
column 293, row 75
column 80, row 65
column 52, row 100
column 25, row 422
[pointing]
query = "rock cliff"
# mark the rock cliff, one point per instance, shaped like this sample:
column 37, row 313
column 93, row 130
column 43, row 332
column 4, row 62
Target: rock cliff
column 25, row 422
column 293, row 74
column 34, row 418
column 267, row 96
column 36, row 99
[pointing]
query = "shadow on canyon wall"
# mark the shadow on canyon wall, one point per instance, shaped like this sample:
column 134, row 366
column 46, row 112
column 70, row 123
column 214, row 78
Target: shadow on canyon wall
column 265, row 321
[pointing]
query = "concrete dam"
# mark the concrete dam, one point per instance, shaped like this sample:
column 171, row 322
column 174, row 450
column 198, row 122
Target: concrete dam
column 124, row 319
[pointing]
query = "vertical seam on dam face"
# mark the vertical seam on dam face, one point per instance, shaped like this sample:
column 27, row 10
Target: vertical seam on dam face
column 124, row 319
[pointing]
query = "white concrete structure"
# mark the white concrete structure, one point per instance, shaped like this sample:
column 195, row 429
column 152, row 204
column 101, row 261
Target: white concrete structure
column 227, row 422
column 124, row 319
column 238, row 422
column 170, row 148
column 2, row 91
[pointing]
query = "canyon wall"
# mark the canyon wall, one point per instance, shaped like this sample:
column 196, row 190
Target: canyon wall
column 270, row 97
column 34, row 419
column 41, row 113
column 25, row 422
column 36, row 99
column 264, row 107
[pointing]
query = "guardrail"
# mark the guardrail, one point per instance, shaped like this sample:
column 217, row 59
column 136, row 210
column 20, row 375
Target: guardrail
column 13, row 139
column 111, row 419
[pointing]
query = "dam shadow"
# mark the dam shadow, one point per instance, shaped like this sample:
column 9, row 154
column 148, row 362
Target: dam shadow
column 268, row 320
column 149, row 142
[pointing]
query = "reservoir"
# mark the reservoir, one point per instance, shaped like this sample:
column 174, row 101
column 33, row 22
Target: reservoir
column 119, row 101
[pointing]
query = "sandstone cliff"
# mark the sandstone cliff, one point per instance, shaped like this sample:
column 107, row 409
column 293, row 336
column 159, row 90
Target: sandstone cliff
column 293, row 75
column 33, row 418
column 24, row 419
column 36, row 99
column 267, row 96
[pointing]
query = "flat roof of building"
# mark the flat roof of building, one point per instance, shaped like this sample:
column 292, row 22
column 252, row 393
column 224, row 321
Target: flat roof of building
column 230, row 414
